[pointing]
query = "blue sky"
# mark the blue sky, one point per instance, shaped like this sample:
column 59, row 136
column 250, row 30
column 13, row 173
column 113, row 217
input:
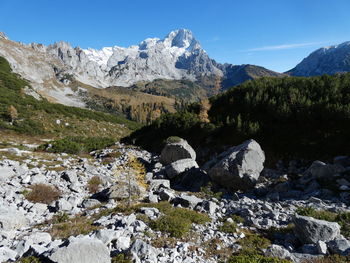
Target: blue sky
column 276, row 34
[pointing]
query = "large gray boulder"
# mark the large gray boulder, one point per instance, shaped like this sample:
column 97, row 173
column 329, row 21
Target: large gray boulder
column 310, row 230
column 7, row 254
column 6, row 173
column 80, row 250
column 178, row 167
column 11, row 219
column 177, row 150
column 319, row 169
column 239, row 167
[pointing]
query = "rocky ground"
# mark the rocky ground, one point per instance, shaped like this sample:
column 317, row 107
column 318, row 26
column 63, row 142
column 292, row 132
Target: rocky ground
column 124, row 204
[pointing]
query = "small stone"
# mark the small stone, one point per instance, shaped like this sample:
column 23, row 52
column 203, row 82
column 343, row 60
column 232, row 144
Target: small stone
column 339, row 246
column 90, row 203
column 321, row 247
column 63, row 205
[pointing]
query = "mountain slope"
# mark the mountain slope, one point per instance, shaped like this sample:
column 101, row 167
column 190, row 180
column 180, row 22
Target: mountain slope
column 172, row 71
column 23, row 113
column 235, row 75
column 326, row 60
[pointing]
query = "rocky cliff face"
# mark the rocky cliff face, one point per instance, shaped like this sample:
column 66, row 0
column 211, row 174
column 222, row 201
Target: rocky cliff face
column 326, row 60
column 177, row 56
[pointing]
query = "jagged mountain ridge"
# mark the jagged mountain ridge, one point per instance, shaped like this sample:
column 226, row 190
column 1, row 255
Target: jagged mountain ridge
column 177, row 56
column 327, row 60
column 52, row 70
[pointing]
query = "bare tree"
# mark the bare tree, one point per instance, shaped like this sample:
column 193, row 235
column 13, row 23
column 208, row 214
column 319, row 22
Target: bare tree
column 12, row 113
column 204, row 108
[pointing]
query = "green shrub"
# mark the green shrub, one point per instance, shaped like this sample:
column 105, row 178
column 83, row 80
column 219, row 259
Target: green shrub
column 176, row 221
column 76, row 145
column 208, row 192
column 173, row 139
column 174, row 225
column 329, row 259
column 241, row 258
column 121, row 258
column 228, row 227
column 253, row 243
column 30, row 259
column 318, row 214
column 238, row 219
column 60, row 218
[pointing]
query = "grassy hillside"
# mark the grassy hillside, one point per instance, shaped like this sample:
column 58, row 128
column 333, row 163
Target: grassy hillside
column 291, row 117
column 144, row 101
column 132, row 104
column 24, row 114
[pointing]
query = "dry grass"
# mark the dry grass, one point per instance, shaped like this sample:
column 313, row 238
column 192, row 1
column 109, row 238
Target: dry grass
column 43, row 193
column 215, row 247
column 93, row 184
column 329, row 259
column 139, row 170
column 79, row 225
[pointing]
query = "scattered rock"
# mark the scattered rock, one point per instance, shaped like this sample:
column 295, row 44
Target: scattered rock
column 279, row 252
column 339, row 246
column 175, row 151
column 239, row 167
column 143, row 252
column 7, row 254
column 90, row 203
column 178, row 167
column 11, row 219
column 80, row 250
column 6, row 173
column 188, row 200
column 311, row 230
column 156, row 184
column 321, row 247
column 70, row 176
column 122, row 190
column 166, row 195
column 63, row 205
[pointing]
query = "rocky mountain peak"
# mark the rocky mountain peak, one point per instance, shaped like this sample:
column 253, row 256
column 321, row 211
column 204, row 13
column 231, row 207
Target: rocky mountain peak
column 182, row 38
column 326, row 60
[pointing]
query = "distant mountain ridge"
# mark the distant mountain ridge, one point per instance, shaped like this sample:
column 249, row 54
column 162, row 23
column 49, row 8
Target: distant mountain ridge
column 327, row 60
column 175, row 67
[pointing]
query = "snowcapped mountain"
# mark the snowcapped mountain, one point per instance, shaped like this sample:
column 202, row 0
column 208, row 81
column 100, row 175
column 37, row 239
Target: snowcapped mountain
column 178, row 56
column 52, row 69
column 326, row 60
